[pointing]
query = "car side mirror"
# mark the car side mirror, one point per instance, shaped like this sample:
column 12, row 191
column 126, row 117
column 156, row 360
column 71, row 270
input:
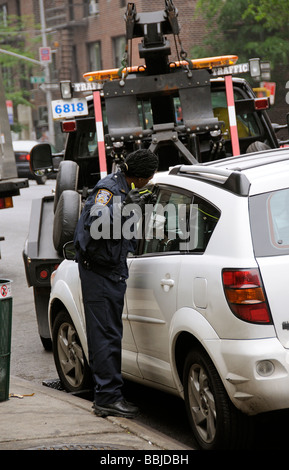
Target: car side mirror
column 69, row 251
column 41, row 158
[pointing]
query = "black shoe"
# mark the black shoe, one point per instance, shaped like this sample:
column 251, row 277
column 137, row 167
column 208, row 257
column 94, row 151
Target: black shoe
column 119, row 408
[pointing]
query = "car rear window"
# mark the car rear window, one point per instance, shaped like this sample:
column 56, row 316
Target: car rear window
column 269, row 216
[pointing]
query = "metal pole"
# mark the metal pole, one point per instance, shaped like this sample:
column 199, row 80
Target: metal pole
column 23, row 57
column 47, row 74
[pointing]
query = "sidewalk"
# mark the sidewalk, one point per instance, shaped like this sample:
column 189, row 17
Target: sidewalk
column 39, row 417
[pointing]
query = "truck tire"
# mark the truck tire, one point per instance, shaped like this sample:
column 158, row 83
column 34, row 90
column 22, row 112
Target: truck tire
column 67, row 178
column 65, row 218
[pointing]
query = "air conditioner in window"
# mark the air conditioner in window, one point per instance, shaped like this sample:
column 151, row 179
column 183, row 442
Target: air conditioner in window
column 93, row 8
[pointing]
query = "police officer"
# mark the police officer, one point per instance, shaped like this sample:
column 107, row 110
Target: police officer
column 103, row 273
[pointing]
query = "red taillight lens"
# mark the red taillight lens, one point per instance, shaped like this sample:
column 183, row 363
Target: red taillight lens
column 245, row 295
column 68, row 126
column 261, row 103
column 23, row 157
column 44, row 273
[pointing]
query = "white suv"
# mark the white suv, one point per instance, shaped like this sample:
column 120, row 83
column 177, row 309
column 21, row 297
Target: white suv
column 205, row 312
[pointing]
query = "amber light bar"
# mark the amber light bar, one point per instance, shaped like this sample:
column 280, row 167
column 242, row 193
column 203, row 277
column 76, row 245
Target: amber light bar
column 205, row 63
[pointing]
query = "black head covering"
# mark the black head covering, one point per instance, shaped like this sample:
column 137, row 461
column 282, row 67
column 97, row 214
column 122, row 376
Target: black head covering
column 141, row 163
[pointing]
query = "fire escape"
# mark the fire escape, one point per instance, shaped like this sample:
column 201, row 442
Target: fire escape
column 60, row 19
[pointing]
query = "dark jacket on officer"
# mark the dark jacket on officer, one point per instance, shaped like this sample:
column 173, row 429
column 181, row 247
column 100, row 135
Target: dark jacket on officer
column 105, row 254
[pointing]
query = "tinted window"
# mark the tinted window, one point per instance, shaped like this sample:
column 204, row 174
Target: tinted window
column 179, row 222
column 269, row 215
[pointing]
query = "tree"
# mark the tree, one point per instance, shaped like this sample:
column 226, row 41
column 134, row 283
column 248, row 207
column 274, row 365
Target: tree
column 16, row 37
column 246, row 28
column 250, row 28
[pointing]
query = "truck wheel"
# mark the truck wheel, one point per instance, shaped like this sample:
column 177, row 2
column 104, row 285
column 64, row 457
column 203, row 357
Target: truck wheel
column 67, row 178
column 70, row 361
column 65, row 219
column 215, row 422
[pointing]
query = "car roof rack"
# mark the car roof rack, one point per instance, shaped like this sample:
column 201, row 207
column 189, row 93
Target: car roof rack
column 232, row 180
column 231, row 176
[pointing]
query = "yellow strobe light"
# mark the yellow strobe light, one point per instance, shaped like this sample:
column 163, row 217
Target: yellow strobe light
column 205, row 63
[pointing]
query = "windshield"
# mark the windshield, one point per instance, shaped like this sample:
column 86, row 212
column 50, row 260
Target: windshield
column 269, row 215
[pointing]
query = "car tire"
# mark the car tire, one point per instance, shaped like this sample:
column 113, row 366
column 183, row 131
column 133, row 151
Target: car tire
column 65, row 219
column 46, row 343
column 215, row 422
column 70, row 361
column 67, row 179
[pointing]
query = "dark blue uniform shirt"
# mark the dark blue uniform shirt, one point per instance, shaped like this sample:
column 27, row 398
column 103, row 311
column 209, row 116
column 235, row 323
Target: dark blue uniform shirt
column 98, row 239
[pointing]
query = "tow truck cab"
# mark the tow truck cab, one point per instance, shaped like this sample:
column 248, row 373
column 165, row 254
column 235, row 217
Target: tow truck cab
column 180, row 110
column 173, row 142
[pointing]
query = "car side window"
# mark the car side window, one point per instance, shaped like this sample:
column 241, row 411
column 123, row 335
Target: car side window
column 179, row 222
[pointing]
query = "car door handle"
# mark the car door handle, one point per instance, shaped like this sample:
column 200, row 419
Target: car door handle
column 167, row 282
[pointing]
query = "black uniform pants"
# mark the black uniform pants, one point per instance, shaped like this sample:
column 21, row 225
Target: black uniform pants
column 103, row 304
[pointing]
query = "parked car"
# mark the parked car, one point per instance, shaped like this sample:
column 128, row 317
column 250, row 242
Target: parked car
column 22, row 149
column 205, row 312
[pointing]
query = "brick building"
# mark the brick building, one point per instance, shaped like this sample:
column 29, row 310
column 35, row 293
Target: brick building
column 84, row 35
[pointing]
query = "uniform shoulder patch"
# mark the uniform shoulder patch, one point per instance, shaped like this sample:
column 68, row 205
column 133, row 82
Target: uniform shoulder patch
column 103, row 196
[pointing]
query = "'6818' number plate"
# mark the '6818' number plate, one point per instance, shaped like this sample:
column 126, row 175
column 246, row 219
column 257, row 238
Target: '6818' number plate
column 69, row 108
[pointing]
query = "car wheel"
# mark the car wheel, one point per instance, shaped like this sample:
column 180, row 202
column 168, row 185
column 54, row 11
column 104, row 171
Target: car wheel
column 215, row 422
column 46, row 343
column 69, row 357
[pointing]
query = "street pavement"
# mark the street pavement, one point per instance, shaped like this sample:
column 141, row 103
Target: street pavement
column 37, row 417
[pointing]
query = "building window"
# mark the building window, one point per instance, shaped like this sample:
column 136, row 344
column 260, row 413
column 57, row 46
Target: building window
column 118, row 49
column 122, row 3
column 94, row 53
column 91, row 8
column 3, row 15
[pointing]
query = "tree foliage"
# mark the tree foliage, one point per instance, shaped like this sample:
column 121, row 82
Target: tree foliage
column 247, row 28
column 16, row 37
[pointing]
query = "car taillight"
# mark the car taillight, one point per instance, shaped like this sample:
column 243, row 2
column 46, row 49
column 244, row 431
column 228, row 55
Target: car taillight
column 245, row 295
column 24, row 157
column 6, row 202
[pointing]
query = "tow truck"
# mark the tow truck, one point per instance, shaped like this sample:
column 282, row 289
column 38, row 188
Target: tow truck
column 10, row 184
column 187, row 111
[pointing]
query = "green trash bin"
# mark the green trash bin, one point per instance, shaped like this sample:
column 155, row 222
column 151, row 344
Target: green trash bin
column 5, row 337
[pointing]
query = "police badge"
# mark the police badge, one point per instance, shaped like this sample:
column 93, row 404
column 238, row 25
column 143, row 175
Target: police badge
column 103, row 197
